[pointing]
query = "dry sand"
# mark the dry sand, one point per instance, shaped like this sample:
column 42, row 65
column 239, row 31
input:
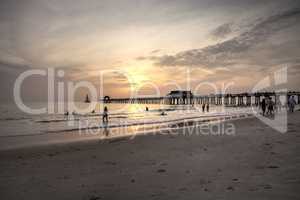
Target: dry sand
column 256, row 163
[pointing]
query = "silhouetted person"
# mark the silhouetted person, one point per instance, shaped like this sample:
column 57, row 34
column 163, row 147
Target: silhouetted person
column 163, row 113
column 277, row 106
column 147, row 109
column 292, row 103
column 270, row 106
column 207, row 107
column 203, row 107
column 105, row 115
column 263, row 106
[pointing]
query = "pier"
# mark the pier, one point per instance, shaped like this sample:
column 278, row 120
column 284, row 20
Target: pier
column 181, row 97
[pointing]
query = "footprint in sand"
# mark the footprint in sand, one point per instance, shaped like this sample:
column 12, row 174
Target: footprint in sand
column 110, row 163
column 94, row 198
column 51, row 154
column 230, row 188
column 259, row 167
column 157, row 194
column 161, row 171
column 182, row 189
column 292, row 130
column 253, row 189
column 267, row 186
column 273, row 167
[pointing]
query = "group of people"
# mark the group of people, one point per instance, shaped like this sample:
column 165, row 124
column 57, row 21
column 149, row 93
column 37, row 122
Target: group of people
column 67, row 113
column 207, row 107
column 267, row 106
column 104, row 115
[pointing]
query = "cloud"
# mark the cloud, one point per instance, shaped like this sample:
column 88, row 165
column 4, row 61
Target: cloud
column 155, row 51
column 235, row 50
column 222, row 31
column 11, row 68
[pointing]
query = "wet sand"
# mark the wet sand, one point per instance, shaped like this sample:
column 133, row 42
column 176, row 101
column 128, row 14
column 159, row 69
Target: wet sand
column 255, row 163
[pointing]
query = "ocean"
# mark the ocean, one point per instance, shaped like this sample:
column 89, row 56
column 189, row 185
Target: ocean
column 21, row 129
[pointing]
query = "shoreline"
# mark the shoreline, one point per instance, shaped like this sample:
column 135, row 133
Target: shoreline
column 132, row 130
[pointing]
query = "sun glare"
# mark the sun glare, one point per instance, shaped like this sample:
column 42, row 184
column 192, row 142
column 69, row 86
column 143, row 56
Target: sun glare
column 138, row 74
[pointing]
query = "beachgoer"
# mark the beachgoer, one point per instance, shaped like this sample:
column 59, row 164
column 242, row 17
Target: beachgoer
column 292, row 103
column 277, row 105
column 105, row 115
column 163, row 113
column 147, row 109
column 263, row 106
column 267, row 99
column 207, row 107
column 203, row 107
column 271, row 106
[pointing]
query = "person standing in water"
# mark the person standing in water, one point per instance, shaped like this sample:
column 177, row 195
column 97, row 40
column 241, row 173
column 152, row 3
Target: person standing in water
column 207, row 107
column 105, row 115
column 203, row 107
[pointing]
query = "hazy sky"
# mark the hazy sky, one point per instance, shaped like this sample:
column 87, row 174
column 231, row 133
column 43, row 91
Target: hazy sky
column 151, row 41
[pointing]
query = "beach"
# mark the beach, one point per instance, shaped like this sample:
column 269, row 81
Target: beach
column 256, row 162
column 148, row 99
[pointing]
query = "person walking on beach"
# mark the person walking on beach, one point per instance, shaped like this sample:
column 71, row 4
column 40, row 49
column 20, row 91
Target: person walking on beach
column 207, row 107
column 203, row 107
column 292, row 103
column 66, row 113
column 278, row 106
column 263, row 106
column 270, row 106
column 105, row 115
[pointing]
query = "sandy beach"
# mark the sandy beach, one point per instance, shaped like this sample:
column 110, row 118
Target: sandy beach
column 255, row 163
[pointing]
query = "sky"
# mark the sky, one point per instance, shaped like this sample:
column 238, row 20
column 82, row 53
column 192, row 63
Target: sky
column 149, row 46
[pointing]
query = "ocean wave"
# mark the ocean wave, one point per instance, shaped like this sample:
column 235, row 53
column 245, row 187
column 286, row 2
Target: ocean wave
column 14, row 118
column 148, row 125
column 187, row 121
